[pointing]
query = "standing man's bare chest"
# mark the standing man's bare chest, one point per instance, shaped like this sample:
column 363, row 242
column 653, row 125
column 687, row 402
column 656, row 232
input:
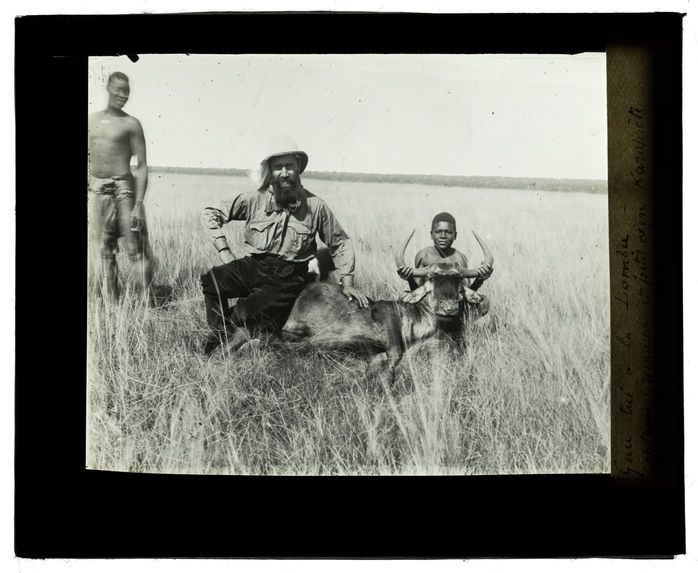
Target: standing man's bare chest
column 110, row 145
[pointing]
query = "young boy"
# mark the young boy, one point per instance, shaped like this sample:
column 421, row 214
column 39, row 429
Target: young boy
column 443, row 233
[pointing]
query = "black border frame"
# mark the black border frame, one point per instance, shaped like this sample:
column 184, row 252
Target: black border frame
column 62, row 510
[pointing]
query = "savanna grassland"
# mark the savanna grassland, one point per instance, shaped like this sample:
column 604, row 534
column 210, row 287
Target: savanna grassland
column 528, row 394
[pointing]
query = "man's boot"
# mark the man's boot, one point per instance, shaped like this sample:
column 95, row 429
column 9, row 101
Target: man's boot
column 216, row 319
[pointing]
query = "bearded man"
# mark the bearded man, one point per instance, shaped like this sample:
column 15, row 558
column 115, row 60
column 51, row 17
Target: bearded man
column 282, row 219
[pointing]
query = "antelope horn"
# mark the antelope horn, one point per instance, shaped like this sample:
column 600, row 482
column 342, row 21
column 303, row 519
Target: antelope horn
column 400, row 257
column 489, row 259
column 400, row 254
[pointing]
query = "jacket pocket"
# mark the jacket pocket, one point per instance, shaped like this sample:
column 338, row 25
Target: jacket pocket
column 299, row 239
column 259, row 234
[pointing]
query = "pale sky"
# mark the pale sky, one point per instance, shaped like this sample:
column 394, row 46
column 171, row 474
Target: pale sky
column 513, row 115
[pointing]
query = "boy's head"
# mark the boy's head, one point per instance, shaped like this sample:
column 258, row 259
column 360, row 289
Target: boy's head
column 443, row 230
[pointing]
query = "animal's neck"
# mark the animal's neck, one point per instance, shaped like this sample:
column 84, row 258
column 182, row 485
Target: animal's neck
column 425, row 314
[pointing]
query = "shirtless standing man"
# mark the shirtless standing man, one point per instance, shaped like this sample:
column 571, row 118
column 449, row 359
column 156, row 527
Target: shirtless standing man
column 116, row 191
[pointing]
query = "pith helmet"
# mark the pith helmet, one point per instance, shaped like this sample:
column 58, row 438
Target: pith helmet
column 284, row 145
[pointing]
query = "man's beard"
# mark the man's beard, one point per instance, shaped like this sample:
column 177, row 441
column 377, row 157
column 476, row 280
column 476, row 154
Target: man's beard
column 285, row 195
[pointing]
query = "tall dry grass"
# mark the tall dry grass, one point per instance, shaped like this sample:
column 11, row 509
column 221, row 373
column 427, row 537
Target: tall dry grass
column 528, row 394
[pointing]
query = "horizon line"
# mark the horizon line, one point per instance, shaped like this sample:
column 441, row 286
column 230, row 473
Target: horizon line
column 310, row 173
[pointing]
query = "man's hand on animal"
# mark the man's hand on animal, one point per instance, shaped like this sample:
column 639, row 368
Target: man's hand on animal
column 352, row 293
column 137, row 217
column 314, row 268
column 405, row 272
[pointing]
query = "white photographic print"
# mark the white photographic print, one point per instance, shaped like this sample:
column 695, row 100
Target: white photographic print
column 348, row 264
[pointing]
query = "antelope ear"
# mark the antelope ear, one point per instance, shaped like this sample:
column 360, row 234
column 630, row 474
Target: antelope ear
column 418, row 294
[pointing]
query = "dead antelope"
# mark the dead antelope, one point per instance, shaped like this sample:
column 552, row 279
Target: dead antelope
column 322, row 315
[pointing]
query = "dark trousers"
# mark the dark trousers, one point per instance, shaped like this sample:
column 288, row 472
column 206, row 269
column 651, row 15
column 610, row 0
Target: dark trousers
column 266, row 286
